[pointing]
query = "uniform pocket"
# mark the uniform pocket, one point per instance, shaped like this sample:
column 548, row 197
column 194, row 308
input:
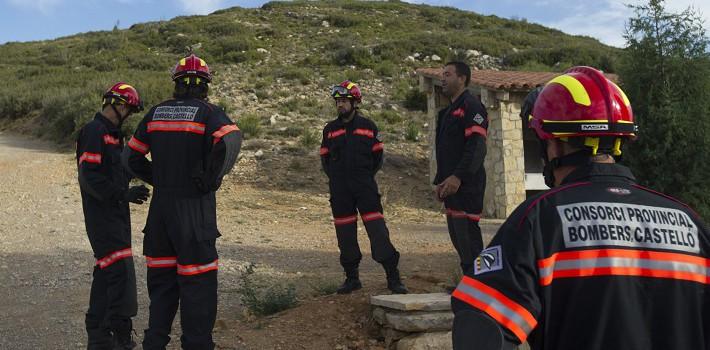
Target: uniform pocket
column 206, row 228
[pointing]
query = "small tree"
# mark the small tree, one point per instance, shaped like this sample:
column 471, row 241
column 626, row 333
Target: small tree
column 666, row 73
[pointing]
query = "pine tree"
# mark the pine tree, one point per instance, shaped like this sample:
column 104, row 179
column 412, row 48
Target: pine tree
column 666, row 73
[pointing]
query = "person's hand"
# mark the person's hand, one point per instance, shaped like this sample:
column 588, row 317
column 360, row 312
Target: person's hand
column 437, row 193
column 448, row 187
column 137, row 194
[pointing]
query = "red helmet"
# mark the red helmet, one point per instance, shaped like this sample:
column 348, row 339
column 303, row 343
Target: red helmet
column 347, row 89
column 123, row 93
column 192, row 66
column 583, row 103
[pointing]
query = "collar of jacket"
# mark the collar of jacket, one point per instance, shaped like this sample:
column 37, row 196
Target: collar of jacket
column 352, row 121
column 592, row 170
column 459, row 100
column 109, row 125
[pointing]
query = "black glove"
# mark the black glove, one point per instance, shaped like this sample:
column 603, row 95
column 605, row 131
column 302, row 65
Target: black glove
column 137, row 194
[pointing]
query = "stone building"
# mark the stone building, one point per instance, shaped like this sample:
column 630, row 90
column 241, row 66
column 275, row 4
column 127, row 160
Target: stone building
column 513, row 165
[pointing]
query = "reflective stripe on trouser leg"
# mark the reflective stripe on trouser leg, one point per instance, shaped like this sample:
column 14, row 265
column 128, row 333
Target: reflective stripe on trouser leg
column 164, row 296
column 198, row 309
column 346, row 232
column 380, row 244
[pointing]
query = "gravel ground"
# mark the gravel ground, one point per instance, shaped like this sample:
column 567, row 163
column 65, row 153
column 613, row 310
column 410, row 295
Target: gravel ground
column 46, row 260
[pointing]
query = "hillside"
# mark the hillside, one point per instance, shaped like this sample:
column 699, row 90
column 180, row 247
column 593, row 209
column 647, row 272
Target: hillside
column 273, row 67
column 274, row 64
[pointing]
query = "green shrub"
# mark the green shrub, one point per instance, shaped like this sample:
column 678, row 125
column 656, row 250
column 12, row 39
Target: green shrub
column 386, row 69
column 415, row 100
column 300, row 74
column 250, row 125
column 265, row 296
column 355, row 56
column 387, row 116
column 342, row 21
column 411, row 133
column 309, row 139
column 324, row 287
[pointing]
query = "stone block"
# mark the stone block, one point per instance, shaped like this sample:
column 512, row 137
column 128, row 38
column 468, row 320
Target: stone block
column 413, row 302
column 420, row 321
column 426, row 341
column 392, row 336
column 378, row 314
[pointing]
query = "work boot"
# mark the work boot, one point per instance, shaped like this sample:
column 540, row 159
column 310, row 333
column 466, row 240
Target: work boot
column 98, row 339
column 394, row 282
column 98, row 336
column 352, row 282
column 122, row 337
column 121, row 342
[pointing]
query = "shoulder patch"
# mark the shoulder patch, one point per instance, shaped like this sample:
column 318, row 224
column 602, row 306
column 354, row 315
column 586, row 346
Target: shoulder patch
column 479, row 118
column 489, row 260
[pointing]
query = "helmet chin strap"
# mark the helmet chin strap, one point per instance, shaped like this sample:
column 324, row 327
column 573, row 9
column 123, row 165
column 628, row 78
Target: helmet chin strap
column 577, row 158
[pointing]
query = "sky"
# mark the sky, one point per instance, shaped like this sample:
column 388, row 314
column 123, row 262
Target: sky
column 27, row 20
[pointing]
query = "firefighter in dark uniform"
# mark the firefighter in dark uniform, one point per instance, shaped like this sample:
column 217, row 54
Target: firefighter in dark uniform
column 461, row 132
column 597, row 262
column 105, row 195
column 193, row 144
column 351, row 155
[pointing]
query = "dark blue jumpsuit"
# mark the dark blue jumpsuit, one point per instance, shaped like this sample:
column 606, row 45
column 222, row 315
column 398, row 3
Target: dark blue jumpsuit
column 103, row 183
column 192, row 144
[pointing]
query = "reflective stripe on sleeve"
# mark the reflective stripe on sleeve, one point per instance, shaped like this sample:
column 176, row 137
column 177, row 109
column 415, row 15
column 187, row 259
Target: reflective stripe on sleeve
column 224, row 130
column 505, row 311
column 90, row 158
column 138, row 146
column 476, row 130
column 378, row 147
column 324, row 151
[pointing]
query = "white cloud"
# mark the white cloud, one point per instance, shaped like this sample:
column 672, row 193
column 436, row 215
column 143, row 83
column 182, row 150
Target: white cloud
column 606, row 20
column 43, row 6
column 201, row 7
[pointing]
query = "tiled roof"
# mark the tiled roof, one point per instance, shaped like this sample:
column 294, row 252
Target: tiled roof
column 503, row 80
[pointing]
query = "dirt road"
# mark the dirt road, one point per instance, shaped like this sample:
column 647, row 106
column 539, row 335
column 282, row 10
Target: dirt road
column 46, row 260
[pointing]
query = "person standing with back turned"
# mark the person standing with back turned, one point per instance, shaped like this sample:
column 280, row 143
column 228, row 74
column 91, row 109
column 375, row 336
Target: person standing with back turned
column 192, row 144
column 596, row 262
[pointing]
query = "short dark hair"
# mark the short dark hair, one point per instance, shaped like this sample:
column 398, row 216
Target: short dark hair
column 187, row 91
column 461, row 69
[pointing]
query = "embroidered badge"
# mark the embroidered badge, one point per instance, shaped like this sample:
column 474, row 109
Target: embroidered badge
column 458, row 113
column 478, row 119
column 489, row 260
column 619, row 191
